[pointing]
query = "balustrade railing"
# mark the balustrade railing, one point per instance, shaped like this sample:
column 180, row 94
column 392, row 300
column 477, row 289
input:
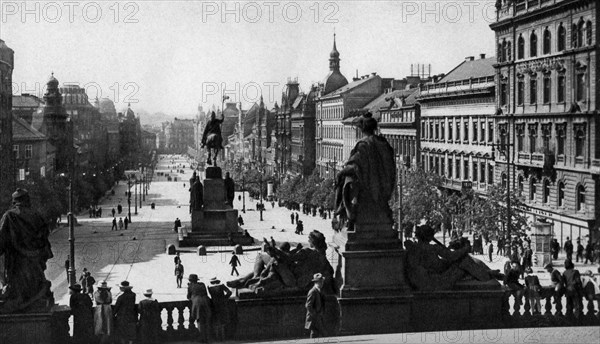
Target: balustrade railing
column 551, row 311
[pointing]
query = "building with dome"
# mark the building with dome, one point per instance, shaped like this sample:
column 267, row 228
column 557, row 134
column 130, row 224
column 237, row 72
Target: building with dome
column 337, row 100
column 131, row 139
column 52, row 120
column 7, row 177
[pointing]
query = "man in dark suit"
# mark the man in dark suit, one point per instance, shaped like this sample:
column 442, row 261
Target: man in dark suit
column 315, row 303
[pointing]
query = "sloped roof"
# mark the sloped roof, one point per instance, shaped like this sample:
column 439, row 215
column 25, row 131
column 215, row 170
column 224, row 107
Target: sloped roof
column 471, row 69
column 381, row 102
column 26, row 100
column 22, row 131
column 350, row 86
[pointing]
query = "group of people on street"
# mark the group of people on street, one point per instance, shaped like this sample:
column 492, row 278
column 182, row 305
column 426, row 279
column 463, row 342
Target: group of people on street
column 119, row 225
column 590, row 253
column 127, row 322
column 95, row 211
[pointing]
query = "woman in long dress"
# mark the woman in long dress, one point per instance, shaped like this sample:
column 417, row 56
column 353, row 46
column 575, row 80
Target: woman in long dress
column 103, row 317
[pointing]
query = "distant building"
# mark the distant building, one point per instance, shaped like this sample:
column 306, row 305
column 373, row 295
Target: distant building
column 180, row 135
column 7, row 180
column 399, row 116
column 34, row 157
column 547, row 110
column 51, row 120
column 457, row 124
column 89, row 131
column 110, row 120
column 303, row 129
column 25, row 105
column 131, row 139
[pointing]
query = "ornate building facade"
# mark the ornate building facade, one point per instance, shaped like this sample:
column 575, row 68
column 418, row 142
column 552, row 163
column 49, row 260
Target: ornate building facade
column 457, row 124
column 547, row 100
column 7, row 177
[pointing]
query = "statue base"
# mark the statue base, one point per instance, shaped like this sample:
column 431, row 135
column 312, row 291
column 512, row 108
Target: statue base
column 370, row 261
column 370, row 270
column 48, row 327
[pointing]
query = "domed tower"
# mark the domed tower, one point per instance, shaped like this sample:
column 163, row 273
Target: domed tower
column 7, row 173
column 334, row 79
column 51, row 119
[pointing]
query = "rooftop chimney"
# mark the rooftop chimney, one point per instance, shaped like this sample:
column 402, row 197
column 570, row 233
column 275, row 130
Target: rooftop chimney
column 482, row 56
column 469, row 58
column 374, row 73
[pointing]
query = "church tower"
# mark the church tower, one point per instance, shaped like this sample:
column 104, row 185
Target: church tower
column 334, row 79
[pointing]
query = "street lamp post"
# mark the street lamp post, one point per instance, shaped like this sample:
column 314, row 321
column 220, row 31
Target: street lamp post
column 135, row 182
column 243, row 194
column 129, row 197
column 71, row 218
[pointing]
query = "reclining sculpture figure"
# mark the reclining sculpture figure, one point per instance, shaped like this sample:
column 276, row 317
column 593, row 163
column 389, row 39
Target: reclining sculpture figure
column 436, row 267
column 280, row 269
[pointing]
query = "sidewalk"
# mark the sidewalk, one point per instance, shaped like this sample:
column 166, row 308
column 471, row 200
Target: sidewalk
column 547, row 335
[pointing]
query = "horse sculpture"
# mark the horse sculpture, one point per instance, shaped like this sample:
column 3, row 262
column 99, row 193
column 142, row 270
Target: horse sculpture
column 212, row 138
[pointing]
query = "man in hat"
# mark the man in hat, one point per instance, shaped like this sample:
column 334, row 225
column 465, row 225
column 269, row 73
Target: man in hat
column 201, row 309
column 83, row 319
column 149, row 324
column 315, row 303
column 83, row 280
column 220, row 295
column 126, row 314
column 26, row 249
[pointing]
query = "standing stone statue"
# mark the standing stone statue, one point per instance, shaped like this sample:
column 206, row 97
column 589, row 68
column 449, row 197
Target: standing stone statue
column 229, row 189
column 26, row 249
column 196, row 195
column 366, row 183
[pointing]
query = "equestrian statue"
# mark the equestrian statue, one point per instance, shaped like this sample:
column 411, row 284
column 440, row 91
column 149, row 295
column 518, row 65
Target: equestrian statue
column 212, row 137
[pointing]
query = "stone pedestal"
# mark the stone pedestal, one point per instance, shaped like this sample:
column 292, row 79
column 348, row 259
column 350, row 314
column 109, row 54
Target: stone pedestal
column 370, row 262
column 41, row 328
column 216, row 224
column 371, row 272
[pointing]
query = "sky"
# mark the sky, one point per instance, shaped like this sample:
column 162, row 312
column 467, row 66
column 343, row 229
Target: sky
column 172, row 56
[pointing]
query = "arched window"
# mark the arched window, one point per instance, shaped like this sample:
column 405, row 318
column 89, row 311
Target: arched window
column 562, row 38
column 546, row 191
column 520, row 185
column 561, row 194
column 547, row 41
column 500, row 52
column 521, row 47
column 588, row 32
column 509, row 50
column 574, row 36
column 580, row 32
column 580, row 197
column 503, row 51
column 533, row 41
column 532, row 189
column 579, row 141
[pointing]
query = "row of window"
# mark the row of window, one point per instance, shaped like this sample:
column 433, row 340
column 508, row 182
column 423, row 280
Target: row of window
column 475, row 131
column 556, row 144
column 330, row 112
column 581, row 35
column 331, row 153
column 28, row 151
column 461, row 168
column 402, row 145
column 332, row 132
column 560, row 192
column 398, row 117
column 547, row 88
